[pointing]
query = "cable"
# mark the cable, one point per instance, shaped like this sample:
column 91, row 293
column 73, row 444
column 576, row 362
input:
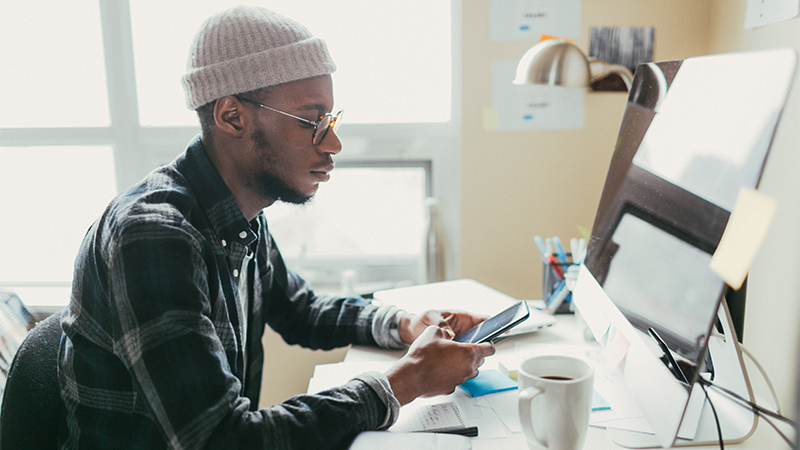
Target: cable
column 758, row 410
column 716, row 418
column 780, row 433
column 764, row 375
column 760, row 369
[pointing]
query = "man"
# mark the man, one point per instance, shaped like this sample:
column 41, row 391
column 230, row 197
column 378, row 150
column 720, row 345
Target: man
column 176, row 280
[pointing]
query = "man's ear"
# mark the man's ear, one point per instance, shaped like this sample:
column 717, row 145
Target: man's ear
column 228, row 116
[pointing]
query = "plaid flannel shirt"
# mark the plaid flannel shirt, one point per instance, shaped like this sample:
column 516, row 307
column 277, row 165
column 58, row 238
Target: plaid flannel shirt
column 152, row 355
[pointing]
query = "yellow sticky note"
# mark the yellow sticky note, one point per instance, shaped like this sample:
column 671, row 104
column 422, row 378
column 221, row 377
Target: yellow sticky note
column 748, row 225
column 489, row 118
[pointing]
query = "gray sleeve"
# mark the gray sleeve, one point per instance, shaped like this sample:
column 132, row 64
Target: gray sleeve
column 385, row 327
column 380, row 384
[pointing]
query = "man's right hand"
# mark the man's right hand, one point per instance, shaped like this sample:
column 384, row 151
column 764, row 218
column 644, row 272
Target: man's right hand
column 435, row 365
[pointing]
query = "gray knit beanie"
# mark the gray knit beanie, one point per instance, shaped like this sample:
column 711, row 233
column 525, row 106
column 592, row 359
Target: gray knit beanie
column 247, row 48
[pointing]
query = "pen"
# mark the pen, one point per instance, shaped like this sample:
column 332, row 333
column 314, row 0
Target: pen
column 463, row 431
column 673, row 365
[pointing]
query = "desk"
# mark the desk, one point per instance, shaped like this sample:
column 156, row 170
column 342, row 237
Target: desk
column 567, row 330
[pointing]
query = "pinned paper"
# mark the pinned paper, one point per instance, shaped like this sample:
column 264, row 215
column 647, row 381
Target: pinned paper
column 765, row 12
column 527, row 20
column 747, row 226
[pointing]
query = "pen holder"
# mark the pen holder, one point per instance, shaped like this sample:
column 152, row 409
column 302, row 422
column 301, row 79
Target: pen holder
column 550, row 281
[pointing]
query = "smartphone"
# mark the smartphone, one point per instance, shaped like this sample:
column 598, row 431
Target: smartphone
column 493, row 327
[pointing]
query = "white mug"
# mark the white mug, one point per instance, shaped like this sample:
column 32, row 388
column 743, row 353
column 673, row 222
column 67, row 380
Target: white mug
column 555, row 398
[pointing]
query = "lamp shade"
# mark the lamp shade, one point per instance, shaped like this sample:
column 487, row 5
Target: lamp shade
column 554, row 62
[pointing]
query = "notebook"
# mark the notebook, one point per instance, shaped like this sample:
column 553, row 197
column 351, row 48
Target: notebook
column 464, row 294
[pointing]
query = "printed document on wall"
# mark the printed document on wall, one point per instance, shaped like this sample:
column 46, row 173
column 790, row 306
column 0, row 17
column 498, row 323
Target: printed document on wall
column 532, row 107
column 528, row 20
column 766, row 12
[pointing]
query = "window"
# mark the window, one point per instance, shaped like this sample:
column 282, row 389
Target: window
column 395, row 76
column 46, row 211
column 98, row 104
column 375, row 241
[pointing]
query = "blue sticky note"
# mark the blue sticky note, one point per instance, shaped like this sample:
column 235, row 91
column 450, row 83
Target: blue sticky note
column 488, row 382
column 599, row 403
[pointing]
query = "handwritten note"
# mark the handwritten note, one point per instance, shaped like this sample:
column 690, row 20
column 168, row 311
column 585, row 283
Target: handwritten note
column 429, row 417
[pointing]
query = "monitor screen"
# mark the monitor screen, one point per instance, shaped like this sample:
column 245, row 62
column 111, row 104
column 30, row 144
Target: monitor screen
column 694, row 132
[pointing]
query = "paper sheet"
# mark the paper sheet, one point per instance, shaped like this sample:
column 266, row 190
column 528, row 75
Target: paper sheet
column 765, row 12
column 370, row 440
column 429, row 417
column 528, row 20
column 533, row 107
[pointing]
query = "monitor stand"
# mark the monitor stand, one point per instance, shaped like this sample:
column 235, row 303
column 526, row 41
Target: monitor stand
column 736, row 421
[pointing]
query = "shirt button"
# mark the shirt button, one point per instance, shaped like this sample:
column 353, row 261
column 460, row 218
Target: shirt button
column 235, row 273
column 243, row 234
column 224, row 243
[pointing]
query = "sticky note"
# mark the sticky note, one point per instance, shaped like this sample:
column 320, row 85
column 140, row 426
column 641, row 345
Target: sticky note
column 599, row 403
column 617, row 348
column 747, row 226
column 488, row 382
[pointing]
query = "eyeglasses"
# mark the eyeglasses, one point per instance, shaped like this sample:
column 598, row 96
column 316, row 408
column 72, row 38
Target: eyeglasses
column 321, row 126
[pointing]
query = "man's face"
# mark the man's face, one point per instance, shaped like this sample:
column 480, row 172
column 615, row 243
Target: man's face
column 286, row 165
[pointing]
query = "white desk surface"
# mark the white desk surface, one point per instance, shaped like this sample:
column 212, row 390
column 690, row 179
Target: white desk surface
column 567, row 330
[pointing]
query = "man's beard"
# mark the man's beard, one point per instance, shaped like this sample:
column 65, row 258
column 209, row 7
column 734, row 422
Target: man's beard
column 269, row 185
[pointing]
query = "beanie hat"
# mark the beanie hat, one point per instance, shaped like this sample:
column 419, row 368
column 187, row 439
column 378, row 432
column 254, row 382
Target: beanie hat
column 247, row 48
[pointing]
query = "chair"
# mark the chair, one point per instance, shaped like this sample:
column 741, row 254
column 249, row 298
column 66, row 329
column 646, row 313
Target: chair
column 29, row 418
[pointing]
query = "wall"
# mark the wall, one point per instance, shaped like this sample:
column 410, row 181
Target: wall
column 519, row 184
column 771, row 320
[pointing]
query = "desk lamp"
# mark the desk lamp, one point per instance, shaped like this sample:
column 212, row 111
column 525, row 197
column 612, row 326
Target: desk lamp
column 556, row 62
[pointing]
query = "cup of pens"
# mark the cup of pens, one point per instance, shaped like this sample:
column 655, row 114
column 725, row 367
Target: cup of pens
column 556, row 262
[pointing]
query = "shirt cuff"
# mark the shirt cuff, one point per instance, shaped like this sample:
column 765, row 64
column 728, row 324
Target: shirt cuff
column 380, row 384
column 385, row 329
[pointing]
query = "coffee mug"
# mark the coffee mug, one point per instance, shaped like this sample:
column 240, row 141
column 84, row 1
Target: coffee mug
column 555, row 398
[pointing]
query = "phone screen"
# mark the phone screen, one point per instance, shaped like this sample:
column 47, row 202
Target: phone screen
column 495, row 326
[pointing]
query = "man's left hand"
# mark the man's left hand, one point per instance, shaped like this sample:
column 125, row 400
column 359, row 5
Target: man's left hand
column 453, row 323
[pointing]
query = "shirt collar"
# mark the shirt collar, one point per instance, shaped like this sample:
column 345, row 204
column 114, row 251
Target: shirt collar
column 213, row 195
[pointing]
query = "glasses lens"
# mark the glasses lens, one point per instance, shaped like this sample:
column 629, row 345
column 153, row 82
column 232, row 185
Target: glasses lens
column 322, row 129
column 337, row 120
column 325, row 123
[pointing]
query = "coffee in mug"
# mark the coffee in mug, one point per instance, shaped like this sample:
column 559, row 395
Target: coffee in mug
column 555, row 398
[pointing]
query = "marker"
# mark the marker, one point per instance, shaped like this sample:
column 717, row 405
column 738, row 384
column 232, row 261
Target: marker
column 573, row 247
column 562, row 255
column 547, row 256
column 581, row 251
column 463, row 431
column 557, row 297
column 542, row 249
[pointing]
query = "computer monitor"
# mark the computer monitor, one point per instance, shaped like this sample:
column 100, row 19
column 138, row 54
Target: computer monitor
column 694, row 132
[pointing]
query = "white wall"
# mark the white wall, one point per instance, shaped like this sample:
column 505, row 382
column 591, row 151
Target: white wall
column 772, row 315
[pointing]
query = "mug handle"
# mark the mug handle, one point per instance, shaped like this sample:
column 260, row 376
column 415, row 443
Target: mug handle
column 525, row 400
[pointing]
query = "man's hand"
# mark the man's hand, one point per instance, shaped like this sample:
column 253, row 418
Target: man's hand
column 453, row 323
column 435, row 364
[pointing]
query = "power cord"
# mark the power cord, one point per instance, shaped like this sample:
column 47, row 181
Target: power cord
column 758, row 410
column 761, row 370
column 716, row 417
